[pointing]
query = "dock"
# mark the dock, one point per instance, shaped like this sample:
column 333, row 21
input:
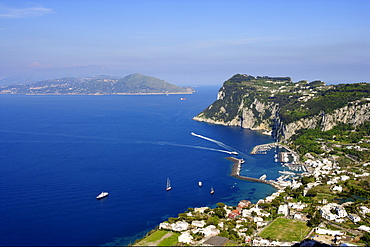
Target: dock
column 235, row 172
column 283, row 156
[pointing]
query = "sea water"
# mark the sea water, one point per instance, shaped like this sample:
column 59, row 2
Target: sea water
column 57, row 153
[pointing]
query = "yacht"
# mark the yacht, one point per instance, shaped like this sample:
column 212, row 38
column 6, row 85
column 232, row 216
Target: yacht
column 233, row 152
column 263, row 177
column 200, row 183
column 102, row 195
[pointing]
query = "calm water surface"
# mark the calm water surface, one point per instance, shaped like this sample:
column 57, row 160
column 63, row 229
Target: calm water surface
column 57, row 153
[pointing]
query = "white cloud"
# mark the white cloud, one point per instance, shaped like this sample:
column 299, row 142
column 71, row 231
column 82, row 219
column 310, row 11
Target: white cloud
column 14, row 13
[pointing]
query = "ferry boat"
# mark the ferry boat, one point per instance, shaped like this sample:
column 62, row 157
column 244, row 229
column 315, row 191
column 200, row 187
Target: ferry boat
column 200, row 183
column 168, row 185
column 102, row 195
column 263, row 177
column 212, row 191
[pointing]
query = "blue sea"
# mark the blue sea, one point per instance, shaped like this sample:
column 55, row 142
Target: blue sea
column 57, row 153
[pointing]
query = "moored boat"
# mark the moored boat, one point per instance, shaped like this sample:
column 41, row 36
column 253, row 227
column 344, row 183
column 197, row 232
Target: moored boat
column 263, row 177
column 102, row 195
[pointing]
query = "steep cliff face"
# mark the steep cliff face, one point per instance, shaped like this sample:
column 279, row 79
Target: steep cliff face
column 255, row 116
column 280, row 107
column 356, row 113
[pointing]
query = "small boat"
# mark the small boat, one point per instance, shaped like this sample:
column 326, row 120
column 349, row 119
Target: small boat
column 102, row 195
column 263, row 177
column 200, row 183
column 233, row 152
column 212, row 191
column 286, row 172
column 182, row 98
column 168, row 185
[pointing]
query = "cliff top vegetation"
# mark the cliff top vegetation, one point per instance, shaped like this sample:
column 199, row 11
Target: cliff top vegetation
column 296, row 100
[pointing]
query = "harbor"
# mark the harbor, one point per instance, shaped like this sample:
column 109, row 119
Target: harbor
column 264, row 148
column 235, row 172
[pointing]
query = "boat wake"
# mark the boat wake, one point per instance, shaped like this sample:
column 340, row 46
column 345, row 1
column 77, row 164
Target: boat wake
column 228, row 148
column 191, row 146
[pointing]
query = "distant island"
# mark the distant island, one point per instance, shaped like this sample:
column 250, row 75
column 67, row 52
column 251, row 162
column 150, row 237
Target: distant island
column 99, row 85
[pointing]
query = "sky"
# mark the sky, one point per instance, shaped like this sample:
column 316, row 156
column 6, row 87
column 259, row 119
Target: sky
column 190, row 42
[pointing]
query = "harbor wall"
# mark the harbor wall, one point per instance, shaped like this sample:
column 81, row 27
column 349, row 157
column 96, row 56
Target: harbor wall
column 235, row 172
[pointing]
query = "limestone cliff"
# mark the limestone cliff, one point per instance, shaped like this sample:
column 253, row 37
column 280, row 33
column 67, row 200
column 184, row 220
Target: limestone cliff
column 281, row 107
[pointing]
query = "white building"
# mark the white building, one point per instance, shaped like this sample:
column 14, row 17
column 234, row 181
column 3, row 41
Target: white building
column 337, row 188
column 201, row 209
column 354, row 218
column 283, row 209
column 198, row 223
column 364, row 210
column 257, row 219
column 364, row 228
column 328, row 232
column 210, row 230
column 180, row 226
column 185, row 237
column 297, row 206
column 165, row 226
column 341, row 212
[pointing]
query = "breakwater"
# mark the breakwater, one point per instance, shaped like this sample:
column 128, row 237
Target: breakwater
column 235, row 172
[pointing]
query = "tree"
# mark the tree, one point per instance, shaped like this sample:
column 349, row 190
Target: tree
column 366, row 238
column 220, row 212
column 315, row 220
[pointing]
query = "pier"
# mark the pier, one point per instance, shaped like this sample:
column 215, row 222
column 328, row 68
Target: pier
column 283, row 156
column 235, row 172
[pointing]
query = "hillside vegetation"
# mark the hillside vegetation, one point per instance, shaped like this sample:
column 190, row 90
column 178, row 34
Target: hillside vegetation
column 131, row 84
column 295, row 100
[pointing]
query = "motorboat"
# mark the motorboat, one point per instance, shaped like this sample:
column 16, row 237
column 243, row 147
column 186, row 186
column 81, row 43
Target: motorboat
column 102, row 195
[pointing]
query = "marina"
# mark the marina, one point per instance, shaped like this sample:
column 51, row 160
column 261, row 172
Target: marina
column 235, row 172
column 287, row 156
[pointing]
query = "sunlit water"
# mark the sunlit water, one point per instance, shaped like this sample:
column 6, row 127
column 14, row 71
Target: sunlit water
column 57, row 153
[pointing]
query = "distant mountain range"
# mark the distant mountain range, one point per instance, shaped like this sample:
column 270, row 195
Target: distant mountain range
column 98, row 85
column 36, row 75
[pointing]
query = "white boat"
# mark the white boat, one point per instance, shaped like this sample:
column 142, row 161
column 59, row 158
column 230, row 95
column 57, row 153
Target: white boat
column 200, row 183
column 235, row 153
column 168, row 185
column 263, row 177
column 286, row 172
column 102, row 195
column 212, row 191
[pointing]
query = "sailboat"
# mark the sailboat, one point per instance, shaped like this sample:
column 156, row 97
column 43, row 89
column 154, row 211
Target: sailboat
column 168, row 185
column 212, row 191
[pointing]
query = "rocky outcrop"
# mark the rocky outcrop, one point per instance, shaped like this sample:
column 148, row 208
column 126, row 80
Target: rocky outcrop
column 256, row 116
column 354, row 113
column 280, row 107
